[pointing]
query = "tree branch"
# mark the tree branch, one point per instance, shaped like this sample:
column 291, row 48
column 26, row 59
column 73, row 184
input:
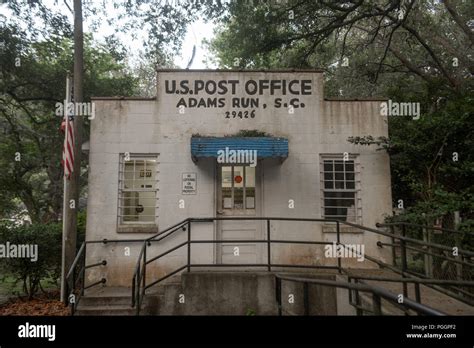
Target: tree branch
column 459, row 21
column 415, row 33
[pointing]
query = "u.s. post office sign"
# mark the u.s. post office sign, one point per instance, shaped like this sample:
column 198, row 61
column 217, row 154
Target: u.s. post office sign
column 241, row 95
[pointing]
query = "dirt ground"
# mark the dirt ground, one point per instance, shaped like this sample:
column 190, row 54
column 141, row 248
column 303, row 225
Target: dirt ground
column 42, row 305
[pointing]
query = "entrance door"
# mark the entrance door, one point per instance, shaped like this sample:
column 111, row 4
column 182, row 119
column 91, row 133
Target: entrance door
column 238, row 195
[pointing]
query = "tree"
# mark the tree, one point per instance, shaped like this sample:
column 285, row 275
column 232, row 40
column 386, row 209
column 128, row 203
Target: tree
column 404, row 50
column 40, row 36
column 429, row 40
column 164, row 24
column 31, row 142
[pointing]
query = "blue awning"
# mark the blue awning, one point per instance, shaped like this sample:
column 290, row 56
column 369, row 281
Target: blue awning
column 267, row 147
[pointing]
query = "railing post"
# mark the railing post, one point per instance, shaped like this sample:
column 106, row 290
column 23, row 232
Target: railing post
column 84, row 270
column 73, row 282
column 376, row 304
column 338, row 238
column 404, row 260
column 359, row 311
column 136, row 295
column 189, row 247
column 269, row 255
column 133, row 290
column 278, row 294
column 144, row 269
column 139, row 300
column 349, row 280
column 457, row 241
column 417, row 292
column 394, row 253
column 66, row 291
column 427, row 259
column 306, row 298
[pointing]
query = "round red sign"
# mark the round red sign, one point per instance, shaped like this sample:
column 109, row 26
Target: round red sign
column 238, row 179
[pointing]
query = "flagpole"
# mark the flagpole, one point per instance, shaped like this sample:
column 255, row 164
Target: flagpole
column 65, row 192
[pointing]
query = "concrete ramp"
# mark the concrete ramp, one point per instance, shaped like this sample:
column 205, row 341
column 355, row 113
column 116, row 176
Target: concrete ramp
column 429, row 296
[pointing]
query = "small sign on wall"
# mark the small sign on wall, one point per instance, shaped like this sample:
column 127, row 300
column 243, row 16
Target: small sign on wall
column 189, row 183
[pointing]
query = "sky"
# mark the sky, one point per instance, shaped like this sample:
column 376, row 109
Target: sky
column 195, row 33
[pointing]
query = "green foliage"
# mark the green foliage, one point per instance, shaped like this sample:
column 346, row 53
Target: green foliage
column 409, row 60
column 164, row 23
column 432, row 162
column 48, row 265
column 244, row 133
column 81, row 227
column 28, row 122
column 40, row 36
column 250, row 133
column 415, row 265
column 382, row 51
column 251, row 312
column 370, row 140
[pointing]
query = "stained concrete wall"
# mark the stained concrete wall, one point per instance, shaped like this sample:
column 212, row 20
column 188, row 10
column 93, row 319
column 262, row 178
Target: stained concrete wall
column 156, row 126
column 243, row 293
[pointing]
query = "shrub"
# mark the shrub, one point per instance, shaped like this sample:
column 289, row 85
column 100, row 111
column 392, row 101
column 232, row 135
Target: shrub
column 48, row 239
column 81, row 227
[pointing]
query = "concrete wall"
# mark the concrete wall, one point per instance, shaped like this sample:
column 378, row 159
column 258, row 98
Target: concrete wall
column 243, row 293
column 157, row 126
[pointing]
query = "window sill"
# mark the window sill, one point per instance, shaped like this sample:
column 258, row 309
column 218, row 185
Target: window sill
column 137, row 229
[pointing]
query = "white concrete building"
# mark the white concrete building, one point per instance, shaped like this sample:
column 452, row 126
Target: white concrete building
column 155, row 162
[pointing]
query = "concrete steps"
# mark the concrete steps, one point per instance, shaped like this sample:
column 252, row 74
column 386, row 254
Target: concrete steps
column 111, row 301
column 111, row 310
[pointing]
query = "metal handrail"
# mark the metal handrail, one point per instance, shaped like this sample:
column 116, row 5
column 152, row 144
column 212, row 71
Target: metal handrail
column 82, row 253
column 175, row 226
column 139, row 285
column 415, row 280
column 401, row 223
column 138, row 276
column 364, row 228
column 461, row 259
column 377, row 292
column 408, row 239
column 71, row 281
column 269, row 241
column 404, row 272
column 76, row 260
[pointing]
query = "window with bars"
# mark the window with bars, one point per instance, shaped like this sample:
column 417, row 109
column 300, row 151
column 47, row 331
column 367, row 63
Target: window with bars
column 137, row 189
column 339, row 186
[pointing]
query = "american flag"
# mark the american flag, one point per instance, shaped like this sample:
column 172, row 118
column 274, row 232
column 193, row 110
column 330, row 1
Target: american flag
column 68, row 148
column 68, row 129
